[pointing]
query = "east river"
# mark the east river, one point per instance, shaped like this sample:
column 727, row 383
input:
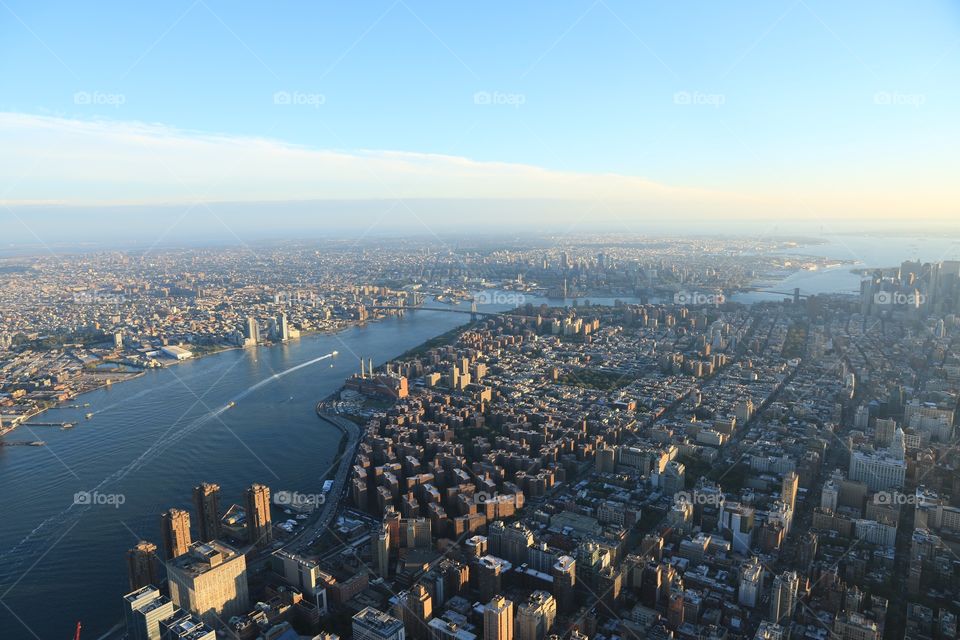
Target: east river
column 151, row 440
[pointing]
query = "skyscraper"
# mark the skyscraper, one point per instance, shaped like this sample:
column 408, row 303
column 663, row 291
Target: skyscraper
column 535, row 616
column 414, row 608
column 751, row 582
column 564, row 581
column 186, row 626
column 381, row 550
column 498, row 619
column 143, row 566
column 259, row 528
column 372, row 624
column 175, row 528
column 283, row 328
column 783, row 596
column 209, row 580
column 791, row 482
column 206, row 500
column 251, row 331
column 143, row 609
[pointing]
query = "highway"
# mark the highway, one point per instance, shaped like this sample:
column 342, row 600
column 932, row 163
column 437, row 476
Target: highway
column 312, row 531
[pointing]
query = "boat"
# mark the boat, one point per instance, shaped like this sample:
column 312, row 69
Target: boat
column 231, row 404
column 88, row 416
column 38, row 443
column 67, row 425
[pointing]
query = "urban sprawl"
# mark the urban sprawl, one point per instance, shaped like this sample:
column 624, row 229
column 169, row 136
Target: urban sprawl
column 672, row 464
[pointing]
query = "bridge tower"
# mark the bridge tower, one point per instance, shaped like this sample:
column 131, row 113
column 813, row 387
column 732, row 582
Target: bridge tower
column 796, row 295
column 473, row 311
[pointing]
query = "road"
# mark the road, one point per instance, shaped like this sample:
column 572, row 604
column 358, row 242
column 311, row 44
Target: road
column 311, row 531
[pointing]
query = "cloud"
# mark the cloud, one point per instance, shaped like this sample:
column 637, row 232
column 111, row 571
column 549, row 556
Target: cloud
column 82, row 163
column 125, row 171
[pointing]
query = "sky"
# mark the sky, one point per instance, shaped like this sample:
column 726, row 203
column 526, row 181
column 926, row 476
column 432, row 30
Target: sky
column 120, row 117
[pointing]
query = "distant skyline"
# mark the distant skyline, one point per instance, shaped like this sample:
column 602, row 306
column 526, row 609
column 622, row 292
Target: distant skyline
column 210, row 117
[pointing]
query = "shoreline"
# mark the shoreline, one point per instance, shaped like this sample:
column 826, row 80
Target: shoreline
column 15, row 423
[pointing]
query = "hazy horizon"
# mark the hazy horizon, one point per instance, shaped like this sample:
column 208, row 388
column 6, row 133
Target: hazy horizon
column 401, row 115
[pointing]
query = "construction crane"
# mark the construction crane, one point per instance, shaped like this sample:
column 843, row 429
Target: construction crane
column 76, row 636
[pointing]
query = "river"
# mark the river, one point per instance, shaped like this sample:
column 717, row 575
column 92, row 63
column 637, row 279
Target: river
column 149, row 442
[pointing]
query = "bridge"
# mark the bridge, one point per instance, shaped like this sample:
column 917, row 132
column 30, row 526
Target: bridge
column 472, row 311
column 795, row 294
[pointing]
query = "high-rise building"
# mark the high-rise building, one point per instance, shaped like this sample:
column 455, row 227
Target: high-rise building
column 808, row 550
column 143, row 566
column 372, row 624
column 854, row 626
column 769, row 631
column 283, row 328
column 381, row 551
column 883, row 431
column 259, row 527
column 143, row 609
column 738, row 519
column 564, row 573
column 415, row 533
column 206, row 500
column 880, row 470
column 490, row 571
column 304, row 574
column 675, row 609
column 251, row 331
column 535, row 616
column 744, row 410
column 517, row 539
column 498, row 619
column 210, row 580
column 788, row 493
column 783, row 596
column 186, row 626
column 751, row 582
column 175, row 528
column 414, row 608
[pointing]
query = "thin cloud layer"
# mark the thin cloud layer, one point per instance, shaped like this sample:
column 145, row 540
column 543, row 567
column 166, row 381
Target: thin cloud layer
column 81, row 163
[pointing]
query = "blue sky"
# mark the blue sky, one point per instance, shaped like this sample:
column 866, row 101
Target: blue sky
column 735, row 100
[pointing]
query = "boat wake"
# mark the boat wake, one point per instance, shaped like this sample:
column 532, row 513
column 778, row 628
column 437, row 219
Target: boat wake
column 17, row 555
